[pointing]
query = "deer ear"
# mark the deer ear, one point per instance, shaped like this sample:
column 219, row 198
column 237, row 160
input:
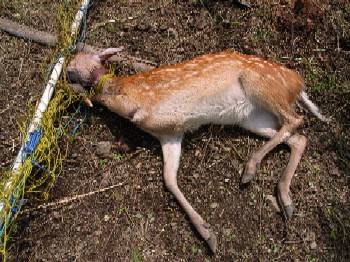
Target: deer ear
column 108, row 53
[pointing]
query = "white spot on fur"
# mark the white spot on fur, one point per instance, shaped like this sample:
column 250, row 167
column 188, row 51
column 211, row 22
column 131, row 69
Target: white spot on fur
column 189, row 75
column 270, row 77
column 171, row 69
column 191, row 65
column 144, row 85
column 283, row 81
column 208, row 58
column 160, row 85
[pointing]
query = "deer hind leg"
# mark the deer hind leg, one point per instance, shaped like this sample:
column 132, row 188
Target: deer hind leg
column 265, row 124
column 297, row 144
column 171, row 147
column 280, row 136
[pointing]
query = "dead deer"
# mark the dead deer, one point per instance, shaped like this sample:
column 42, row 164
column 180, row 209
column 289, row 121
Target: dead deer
column 221, row 88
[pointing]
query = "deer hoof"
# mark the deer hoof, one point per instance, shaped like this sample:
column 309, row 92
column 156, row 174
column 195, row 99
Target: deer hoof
column 247, row 177
column 212, row 241
column 287, row 210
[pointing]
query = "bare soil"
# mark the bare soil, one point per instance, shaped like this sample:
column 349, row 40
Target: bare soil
column 138, row 219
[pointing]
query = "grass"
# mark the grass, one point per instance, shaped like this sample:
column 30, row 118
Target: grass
column 322, row 80
column 195, row 250
column 310, row 259
column 339, row 233
column 102, row 163
column 118, row 156
column 137, row 255
column 318, row 78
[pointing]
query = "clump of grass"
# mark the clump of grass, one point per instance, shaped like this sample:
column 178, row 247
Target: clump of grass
column 137, row 255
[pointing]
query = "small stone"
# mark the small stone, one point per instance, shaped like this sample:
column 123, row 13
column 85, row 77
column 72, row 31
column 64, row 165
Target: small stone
column 75, row 155
column 163, row 27
column 173, row 32
column 214, row 205
column 98, row 233
column 335, row 172
column 227, row 231
column 313, row 245
column 106, row 218
column 310, row 237
column 103, row 148
column 55, row 215
column 180, row 50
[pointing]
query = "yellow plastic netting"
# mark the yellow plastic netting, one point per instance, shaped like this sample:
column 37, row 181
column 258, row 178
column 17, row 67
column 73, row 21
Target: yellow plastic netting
column 46, row 147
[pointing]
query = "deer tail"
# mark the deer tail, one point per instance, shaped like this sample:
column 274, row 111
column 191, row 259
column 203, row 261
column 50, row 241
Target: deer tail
column 310, row 106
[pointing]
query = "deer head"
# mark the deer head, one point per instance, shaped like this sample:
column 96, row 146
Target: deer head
column 85, row 68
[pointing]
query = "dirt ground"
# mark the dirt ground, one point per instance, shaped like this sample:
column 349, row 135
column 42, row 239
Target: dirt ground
column 138, row 219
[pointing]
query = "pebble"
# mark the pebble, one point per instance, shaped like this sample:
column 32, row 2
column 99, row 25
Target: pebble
column 313, row 245
column 55, row 215
column 214, row 205
column 75, row 155
column 98, row 233
column 103, row 148
column 311, row 238
column 106, row 218
column 335, row 171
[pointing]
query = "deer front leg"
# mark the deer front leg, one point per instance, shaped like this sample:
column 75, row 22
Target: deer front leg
column 171, row 147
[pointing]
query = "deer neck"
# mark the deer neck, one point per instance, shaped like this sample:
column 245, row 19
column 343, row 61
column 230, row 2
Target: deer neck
column 111, row 93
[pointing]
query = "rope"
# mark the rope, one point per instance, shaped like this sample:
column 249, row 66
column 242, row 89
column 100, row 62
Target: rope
column 47, row 144
column 102, row 82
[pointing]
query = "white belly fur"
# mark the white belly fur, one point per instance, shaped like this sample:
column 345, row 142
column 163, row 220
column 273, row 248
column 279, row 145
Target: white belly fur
column 230, row 106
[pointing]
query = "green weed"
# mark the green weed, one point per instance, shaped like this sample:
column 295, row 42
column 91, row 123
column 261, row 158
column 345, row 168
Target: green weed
column 118, row 156
column 102, row 163
column 195, row 250
column 137, row 255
